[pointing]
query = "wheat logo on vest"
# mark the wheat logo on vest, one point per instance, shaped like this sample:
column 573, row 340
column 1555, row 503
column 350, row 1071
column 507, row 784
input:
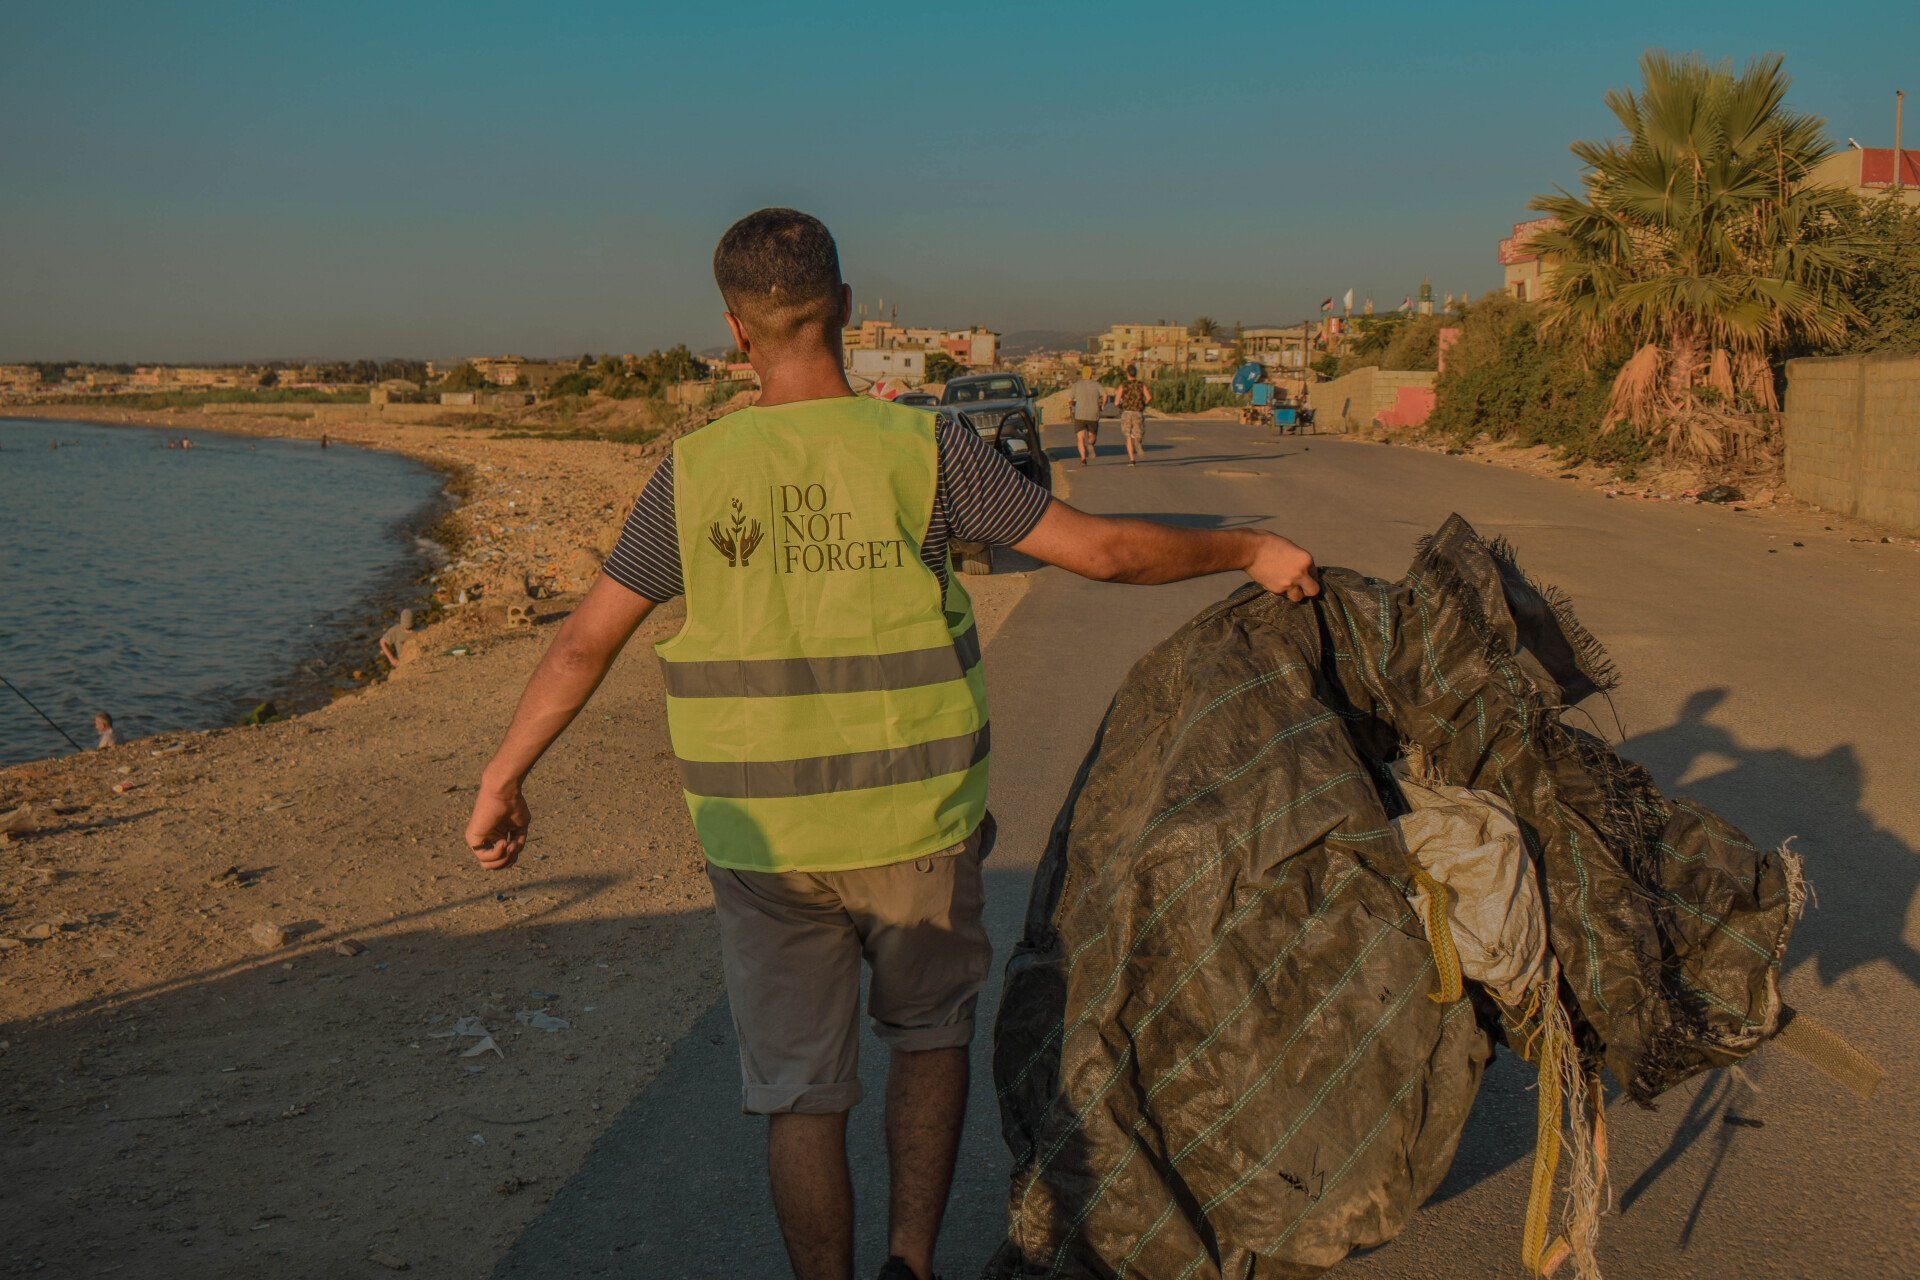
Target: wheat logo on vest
column 811, row 536
column 739, row 538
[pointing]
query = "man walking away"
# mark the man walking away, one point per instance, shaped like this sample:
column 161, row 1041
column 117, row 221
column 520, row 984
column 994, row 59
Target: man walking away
column 826, row 702
column 1133, row 397
column 1086, row 396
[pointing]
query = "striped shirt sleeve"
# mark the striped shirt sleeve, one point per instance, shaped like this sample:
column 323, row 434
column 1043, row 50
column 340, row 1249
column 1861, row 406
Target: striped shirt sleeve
column 981, row 497
column 646, row 559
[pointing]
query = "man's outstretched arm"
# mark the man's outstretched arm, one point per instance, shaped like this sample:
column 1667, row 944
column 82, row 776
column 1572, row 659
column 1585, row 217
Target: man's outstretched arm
column 1115, row 549
column 575, row 663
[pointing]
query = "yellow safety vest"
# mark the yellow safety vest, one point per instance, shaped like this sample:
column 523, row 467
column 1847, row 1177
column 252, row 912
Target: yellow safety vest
column 825, row 700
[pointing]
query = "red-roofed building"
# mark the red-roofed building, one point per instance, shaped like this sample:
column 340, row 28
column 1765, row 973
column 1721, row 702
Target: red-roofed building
column 1868, row 172
column 1525, row 269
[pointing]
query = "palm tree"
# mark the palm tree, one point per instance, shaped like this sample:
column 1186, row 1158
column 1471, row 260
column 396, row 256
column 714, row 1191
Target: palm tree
column 1697, row 244
column 1204, row 327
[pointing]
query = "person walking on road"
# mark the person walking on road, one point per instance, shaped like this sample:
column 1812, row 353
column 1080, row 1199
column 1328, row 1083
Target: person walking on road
column 1133, row 397
column 825, row 699
column 1086, row 397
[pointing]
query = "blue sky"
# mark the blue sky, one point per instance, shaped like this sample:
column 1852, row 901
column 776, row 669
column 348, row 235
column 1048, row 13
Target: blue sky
column 198, row 181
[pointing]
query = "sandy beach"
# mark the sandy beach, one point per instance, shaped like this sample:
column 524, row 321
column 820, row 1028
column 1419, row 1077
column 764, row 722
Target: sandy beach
column 260, row 1013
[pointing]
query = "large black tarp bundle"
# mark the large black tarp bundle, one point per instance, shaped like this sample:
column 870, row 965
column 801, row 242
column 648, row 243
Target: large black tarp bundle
column 1218, row 1052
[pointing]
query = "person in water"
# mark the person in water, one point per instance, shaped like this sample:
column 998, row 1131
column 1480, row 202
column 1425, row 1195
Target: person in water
column 109, row 736
column 395, row 636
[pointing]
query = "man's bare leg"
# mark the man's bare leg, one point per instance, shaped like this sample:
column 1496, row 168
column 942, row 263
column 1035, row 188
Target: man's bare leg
column 926, row 1107
column 813, row 1193
column 1084, row 440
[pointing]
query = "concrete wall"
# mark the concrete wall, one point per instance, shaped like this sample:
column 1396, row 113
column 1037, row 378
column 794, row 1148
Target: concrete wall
column 1355, row 400
column 342, row 412
column 390, row 412
column 1853, row 436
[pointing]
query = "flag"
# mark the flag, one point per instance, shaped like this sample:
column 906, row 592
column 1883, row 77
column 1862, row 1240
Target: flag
column 1406, row 303
column 1347, row 302
column 1327, row 305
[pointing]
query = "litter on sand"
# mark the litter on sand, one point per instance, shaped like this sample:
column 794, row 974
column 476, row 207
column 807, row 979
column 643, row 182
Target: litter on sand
column 541, row 1020
column 471, row 1026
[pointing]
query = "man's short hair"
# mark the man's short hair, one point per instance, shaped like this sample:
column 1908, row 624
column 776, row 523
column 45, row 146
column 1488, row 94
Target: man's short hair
column 779, row 272
column 1133, row 371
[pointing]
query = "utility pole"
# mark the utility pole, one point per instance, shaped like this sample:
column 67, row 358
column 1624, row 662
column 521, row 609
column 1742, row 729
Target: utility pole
column 1899, row 109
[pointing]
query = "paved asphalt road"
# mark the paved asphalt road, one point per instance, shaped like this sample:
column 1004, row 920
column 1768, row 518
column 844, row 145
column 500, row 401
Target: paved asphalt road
column 1775, row 681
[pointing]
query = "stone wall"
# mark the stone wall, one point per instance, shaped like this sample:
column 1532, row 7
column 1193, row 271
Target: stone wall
column 351, row 412
column 1853, row 436
column 393, row 412
column 1355, row 400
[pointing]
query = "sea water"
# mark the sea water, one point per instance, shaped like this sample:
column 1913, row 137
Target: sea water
column 176, row 588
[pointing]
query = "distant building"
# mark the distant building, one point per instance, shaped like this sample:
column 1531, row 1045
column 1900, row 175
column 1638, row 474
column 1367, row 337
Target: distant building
column 509, row 371
column 170, row 378
column 19, row 377
column 974, row 347
column 1162, row 346
column 982, row 347
column 1868, row 172
column 392, row 391
column 908, row 364
column 1525, row 270
column 1277, row 347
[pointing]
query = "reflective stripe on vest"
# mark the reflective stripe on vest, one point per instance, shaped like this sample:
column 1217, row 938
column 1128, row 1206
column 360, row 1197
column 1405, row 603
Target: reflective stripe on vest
column 824, row 697
column 786, row 677
column 853, row 771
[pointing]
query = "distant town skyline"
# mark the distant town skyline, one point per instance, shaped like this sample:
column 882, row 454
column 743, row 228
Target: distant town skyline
column 205, row 183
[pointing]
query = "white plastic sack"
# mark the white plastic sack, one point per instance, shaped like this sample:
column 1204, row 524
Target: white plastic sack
column 1470, row 842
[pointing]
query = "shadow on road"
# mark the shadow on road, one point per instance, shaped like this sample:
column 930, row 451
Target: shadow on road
column 676, row 1184
column 1866, row 878
column 1213, row 459
column 152, row 1130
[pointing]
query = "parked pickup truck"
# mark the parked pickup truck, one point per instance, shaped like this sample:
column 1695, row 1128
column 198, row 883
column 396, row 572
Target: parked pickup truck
column 1000, row 407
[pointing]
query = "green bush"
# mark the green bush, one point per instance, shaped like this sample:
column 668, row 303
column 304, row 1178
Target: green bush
column 1506, row 381
column 1189, row 393
column 1887, row 290
column 1397, row 341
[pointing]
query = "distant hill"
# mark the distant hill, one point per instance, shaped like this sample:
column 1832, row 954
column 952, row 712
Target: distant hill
column 1024, row 342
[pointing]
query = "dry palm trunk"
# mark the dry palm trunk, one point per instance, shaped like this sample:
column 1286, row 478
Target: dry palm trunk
column 1658, row 391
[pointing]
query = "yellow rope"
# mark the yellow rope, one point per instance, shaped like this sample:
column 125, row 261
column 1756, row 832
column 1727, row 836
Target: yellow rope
column 1820, row 1046
column 1446, row 959
column 1546, row 1156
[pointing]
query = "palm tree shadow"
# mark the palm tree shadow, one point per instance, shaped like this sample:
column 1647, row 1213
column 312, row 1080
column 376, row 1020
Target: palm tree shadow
column 1865, row 875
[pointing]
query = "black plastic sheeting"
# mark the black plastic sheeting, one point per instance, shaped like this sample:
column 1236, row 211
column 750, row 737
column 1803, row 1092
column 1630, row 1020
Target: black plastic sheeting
column 1217, row 1053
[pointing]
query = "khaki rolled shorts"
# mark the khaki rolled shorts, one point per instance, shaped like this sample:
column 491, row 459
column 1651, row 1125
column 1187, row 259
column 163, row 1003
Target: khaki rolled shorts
column 791, row 944
column 1133, row 424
